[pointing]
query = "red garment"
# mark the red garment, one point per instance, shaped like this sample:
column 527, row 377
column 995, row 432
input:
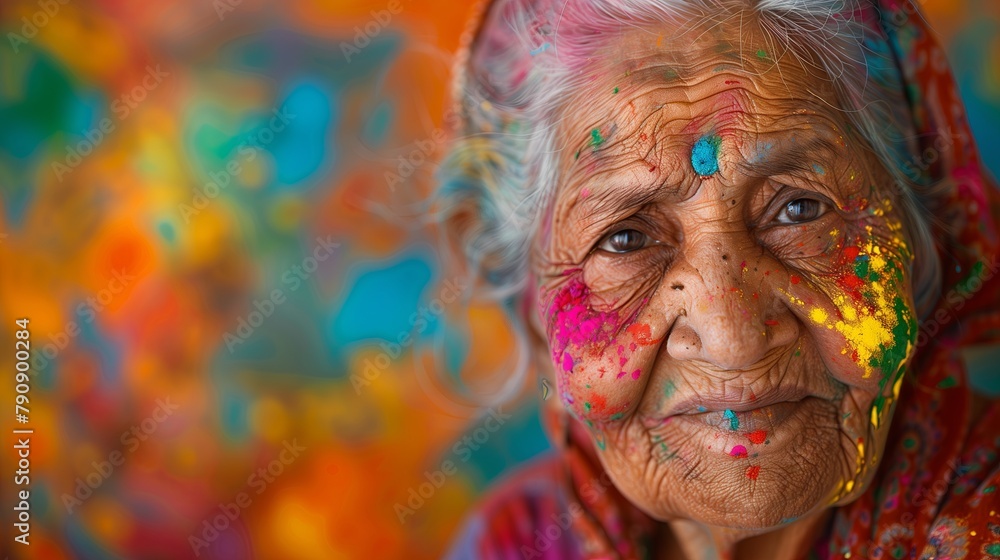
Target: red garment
column 937, row 491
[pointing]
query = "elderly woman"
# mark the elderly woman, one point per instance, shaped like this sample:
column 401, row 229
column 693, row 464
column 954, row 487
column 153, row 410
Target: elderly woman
column 747, row 241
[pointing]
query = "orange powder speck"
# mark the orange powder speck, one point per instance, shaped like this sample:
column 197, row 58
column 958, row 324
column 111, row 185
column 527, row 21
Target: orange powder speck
column 794, row 279
column 642, row 334
column 753, row 472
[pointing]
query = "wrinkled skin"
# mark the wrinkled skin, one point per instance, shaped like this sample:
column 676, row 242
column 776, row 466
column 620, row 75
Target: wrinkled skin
column 724, row 342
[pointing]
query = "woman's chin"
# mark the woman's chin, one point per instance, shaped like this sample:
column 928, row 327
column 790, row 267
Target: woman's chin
column 754, row 470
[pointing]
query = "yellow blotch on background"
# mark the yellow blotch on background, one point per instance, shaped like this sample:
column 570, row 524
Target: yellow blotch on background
column 269, row 418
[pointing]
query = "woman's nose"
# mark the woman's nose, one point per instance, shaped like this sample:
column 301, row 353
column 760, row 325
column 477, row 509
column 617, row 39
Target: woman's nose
column 730, row 314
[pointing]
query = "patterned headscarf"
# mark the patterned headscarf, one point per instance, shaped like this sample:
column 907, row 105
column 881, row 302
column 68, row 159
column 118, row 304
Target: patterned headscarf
column 937, row 491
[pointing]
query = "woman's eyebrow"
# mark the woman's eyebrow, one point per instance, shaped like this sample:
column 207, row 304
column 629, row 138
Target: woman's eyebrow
column 620, row 199
column 793, row 156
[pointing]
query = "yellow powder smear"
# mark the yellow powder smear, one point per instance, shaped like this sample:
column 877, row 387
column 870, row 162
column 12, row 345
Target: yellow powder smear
column 818, row 315
column 867, row 326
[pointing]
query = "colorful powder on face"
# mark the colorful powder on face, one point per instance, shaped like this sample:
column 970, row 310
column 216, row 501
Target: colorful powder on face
column 572, row 323
column 753, row 472
column 761, row 53
column 636, row 374
column 872, row 314
column 642, row 334
column 818, row 315
column 595, row 138
column 738, row 451
column 567, row 362
column 669, row 389
column 705, row 155
column 876, row 320
column 615, row 90
column 757, row 436
column 734, row 422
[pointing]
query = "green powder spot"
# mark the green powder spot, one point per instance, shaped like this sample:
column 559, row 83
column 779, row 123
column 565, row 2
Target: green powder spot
column 577, row 156
column 989, row 489
column 861, row 266
column 669, row 389
column 734, row 422
column 993, row 550
column 617, row 416
column 595, row 137
column 670, row 74
column 586, row 406
column 761, row 53
column 600, row 444
column 616, row 89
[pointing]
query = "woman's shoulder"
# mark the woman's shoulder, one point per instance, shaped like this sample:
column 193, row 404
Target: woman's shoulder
column 523, row 516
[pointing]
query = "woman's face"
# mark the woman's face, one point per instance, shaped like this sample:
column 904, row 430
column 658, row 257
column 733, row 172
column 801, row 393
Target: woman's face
column 723, row 284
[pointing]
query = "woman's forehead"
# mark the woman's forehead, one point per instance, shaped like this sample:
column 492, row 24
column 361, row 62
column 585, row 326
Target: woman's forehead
column 644, row 81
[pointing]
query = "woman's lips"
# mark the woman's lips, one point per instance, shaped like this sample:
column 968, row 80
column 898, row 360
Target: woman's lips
column 761, row 418
column 710, row 403
column 757, row 413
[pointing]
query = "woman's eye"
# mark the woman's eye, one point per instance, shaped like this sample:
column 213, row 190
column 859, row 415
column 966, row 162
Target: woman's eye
column 624, row 241
column 801, row 210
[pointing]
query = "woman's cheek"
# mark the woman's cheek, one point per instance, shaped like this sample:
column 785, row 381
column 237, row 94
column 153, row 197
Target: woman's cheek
column 861, row 312
column 601, row 357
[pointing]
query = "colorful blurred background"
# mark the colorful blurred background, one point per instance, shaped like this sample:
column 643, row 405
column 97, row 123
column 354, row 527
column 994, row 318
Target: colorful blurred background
column 246, row 342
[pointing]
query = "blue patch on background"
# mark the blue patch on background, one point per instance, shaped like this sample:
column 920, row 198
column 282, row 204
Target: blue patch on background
column 301, row 148
column 381, row 301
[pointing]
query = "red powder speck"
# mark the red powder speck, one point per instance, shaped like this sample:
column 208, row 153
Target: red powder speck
column 794, row 279
column 643, row 137
column 642, row 334
column 757, row 436
column 738, row 451
column 771, row 323
column 598, row 403
column 753, row 472
column 636, row 374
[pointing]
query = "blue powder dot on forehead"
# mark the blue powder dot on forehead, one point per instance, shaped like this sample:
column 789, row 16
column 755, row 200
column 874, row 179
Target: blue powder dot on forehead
column 705, row 155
